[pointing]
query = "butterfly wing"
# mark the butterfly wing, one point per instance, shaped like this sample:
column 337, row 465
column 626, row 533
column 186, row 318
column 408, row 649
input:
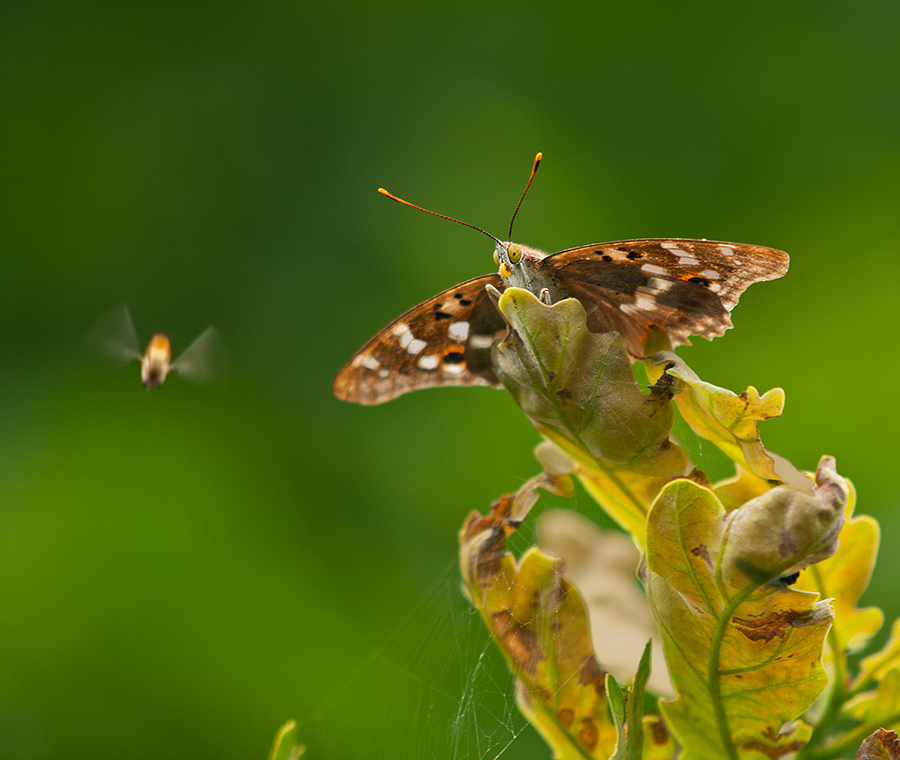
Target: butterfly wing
column 445, row 340
column 685, row 287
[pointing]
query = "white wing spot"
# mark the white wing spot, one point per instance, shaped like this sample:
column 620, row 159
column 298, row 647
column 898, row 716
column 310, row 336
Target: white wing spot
column 726, row 250
column 673, row 247
column 627, row 308
column 454, row 369
column 459, row 330
column 688, row 261
column 400, row 329
column 645, row 303
column 653, row 269
column 429, row 362
column 715, row 287
column 384, row 373
column 660, row 285
column 481, row 341
column 406, row 339
column 710, row 274
column 415, row 346
column 369, row 362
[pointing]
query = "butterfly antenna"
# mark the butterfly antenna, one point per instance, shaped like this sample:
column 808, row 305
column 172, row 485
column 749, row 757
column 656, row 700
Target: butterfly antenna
column 537, row 161
column 435, row 213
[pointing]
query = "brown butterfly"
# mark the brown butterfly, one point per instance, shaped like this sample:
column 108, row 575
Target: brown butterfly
column 685, row 287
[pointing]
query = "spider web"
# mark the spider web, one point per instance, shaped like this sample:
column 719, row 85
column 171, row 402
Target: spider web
column 437, row 687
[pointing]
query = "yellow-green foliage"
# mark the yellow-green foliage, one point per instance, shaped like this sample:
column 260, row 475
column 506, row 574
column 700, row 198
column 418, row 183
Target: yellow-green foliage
column 753, row 581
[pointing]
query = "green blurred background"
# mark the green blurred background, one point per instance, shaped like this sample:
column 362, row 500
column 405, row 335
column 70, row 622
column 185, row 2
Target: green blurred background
column 182, row 571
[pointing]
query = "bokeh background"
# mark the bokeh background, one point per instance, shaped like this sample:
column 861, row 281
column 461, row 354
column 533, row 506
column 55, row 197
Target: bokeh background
column 182, row 571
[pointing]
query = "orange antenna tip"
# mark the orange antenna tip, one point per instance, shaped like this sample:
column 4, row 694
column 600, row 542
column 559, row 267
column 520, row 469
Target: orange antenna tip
column 537, row 161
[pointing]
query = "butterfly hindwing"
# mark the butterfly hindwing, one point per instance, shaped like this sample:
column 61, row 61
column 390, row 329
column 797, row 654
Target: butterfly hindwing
column 445, row 340
column 685, row 287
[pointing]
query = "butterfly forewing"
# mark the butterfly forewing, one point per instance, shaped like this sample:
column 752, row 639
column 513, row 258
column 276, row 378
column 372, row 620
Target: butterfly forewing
column 445, row 340
column 685, row 287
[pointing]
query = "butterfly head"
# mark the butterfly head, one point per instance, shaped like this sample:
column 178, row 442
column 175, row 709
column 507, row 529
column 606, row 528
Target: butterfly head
column 516, row 265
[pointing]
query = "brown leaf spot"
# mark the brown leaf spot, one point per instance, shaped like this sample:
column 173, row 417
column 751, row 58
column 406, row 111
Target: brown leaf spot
column 588, row 734
column 700, row 478
column 773, row 751
column 522, row 646
column 703, row 553
column 591, row 672
column 768, row 627
column 566, row 717
column 659, row 734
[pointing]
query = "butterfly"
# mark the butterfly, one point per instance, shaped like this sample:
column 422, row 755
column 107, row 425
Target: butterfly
column 684, row 287
column 114, row 336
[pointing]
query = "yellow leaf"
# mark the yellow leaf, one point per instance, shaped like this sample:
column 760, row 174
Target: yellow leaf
column 723, row 417
column 539, row 622
column 744, row 649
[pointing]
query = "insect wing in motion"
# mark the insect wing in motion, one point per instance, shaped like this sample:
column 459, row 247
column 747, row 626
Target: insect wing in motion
column 112, row 336
column 205, row 360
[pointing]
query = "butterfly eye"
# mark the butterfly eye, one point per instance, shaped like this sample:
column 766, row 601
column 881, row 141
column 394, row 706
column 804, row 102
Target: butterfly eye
column 515, row 253
column 496, row 259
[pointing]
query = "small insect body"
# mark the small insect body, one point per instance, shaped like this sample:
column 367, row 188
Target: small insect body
column 113, row 335
column 156, row 361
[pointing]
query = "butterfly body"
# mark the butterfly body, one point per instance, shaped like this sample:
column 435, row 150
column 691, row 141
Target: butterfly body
column 685, row 287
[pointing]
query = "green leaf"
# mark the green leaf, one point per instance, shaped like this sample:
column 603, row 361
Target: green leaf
column 636, row 707
column 744, row 650
column 285, row 746
column 628, row 711
column 578, row 390
column 618, row 711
